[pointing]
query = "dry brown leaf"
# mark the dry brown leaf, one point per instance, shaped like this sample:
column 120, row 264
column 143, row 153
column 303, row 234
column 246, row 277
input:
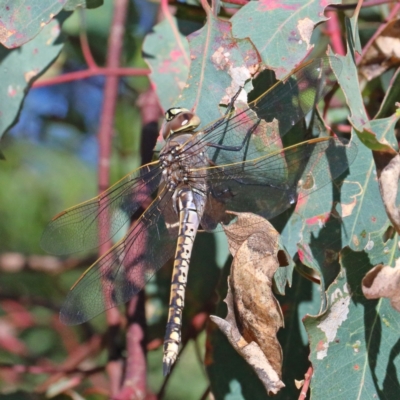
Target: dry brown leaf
column 383, row 53
column 388, row 177
column 254, row 315
column 383, row 281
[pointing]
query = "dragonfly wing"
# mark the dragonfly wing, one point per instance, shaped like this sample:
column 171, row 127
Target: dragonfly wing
column 122, row 272
column 287, row 102
column 79, row 228
column 269, row 185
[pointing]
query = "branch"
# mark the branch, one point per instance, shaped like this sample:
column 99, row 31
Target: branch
column 81, row 353
column 13, row 262
column 48, row 369
column 114, row 51
column 371, row 3
column 332, row 7
column 87, row 73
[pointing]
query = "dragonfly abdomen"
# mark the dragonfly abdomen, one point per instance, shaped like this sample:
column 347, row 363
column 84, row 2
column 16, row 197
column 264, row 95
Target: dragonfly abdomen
column 188, row 224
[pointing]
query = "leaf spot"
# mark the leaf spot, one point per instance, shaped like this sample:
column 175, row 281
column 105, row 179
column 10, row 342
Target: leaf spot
column 369, row 245
column 305, row 27
column 11, row 91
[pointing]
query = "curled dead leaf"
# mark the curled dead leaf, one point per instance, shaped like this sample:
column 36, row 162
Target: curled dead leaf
column 383, row 52
column 383, row 281
column 254, row 315
column 388, row 177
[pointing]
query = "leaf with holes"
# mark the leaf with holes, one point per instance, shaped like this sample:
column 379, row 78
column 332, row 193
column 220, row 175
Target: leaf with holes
column 21, row 67
column 22, row 20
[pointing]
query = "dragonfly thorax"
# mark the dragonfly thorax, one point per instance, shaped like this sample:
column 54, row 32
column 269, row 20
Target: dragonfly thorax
column 180, row 165
column 179, row 120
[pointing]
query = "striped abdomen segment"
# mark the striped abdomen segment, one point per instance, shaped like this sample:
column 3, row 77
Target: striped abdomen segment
column 188, row 223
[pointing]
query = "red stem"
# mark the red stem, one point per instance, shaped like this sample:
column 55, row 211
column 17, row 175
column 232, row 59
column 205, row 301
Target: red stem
column 371, row 3
column 335, row 33
column 333, row 7
column 239, row 2
column 81, row 353
column 74, row 76
column 395, row 10
column 87, row 54
column 114, row 51
column 307, row 380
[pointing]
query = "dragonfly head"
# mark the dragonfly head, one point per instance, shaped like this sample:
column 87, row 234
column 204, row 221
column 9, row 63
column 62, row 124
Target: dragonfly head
column 179, row 120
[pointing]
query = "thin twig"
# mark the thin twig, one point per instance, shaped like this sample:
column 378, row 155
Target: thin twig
column 352, row 6
column 87, row 54
column 332, row 7
column 48, row 369
column 238, row 2
column 81, row 353
column 307, row 380
column 87, row 73
column 206, row 393
column 12, row 262
column 378, row 32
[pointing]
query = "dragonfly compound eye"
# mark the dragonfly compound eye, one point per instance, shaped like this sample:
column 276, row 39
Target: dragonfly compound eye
column 179, row 120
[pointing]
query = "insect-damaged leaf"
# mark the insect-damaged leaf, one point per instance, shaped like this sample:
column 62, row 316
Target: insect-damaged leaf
column 22, row 20
column 20, row 67
column 219, row 64
column 166, row 51
column 254, row 315
column 280, row 30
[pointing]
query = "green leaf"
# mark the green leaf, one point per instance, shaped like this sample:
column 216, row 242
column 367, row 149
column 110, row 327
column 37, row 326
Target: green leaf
column 362, row 212
column 354, row 344
column 357, row 212
column 388, row 106
column 281, row 31
column 20, row 67
column 166, row 51
column 22, row 20
column 352, row 30
column 348, row 81
column 71, row 5
column 218, row 63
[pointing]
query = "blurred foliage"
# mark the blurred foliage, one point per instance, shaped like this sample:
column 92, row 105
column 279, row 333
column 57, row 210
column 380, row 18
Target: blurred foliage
column 51, row 160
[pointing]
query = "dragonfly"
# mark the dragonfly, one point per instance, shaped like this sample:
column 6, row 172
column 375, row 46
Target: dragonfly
column 236, row 163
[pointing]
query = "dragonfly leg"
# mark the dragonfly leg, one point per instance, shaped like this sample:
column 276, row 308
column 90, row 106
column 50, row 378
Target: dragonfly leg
column 188, row 224
column 227, row 112
column 240, row 147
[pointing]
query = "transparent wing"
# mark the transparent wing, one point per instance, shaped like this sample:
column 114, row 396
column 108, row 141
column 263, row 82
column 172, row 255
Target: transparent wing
column 287, row 102
column 79, row 228
column 269, row 185
column 122, row 272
